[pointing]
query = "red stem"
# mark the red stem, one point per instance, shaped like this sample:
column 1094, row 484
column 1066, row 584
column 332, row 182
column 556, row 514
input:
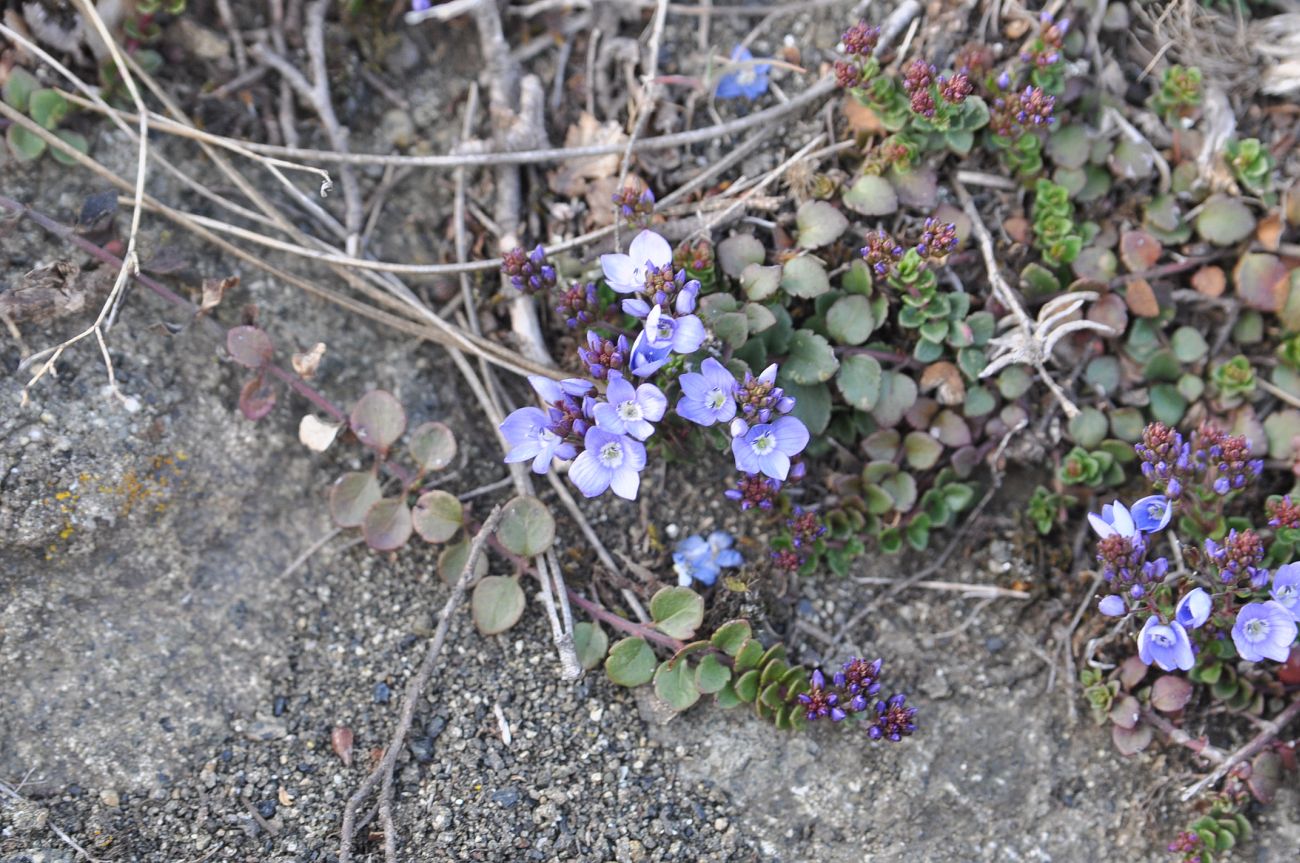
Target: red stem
column 622, row 624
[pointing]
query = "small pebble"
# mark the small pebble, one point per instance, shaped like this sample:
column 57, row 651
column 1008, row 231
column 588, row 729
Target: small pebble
column 382, row 693
column 278, row 706
column 507, row 797
column 994, row 644
column 109, row 797
column 435, row 727
column 421, row 749
column 266, row 809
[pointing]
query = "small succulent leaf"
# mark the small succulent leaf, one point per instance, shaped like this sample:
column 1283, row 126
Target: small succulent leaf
column 871, row 195
column 48, row 107
column 497, row 604
column 736, row 253
column 731, row 636
column 1170, row 693
column 249, row 346
column 751, row 651
column 675, row 685
column 760, row 282
column 437, row 515
column 711, row 675
column 811, row 359
column 677, row 611
column 1130, row 741
column 747, row 685
column 378, row 420
column 631, row 662
column 527, row 527
column 351, row 497
column 25, row 146
column 387, row 524
column 432, row 446
column 819, row 223
column 849, row 320
column 805, row 277
column 256, row 398
column 452, row 560
column 18, row 88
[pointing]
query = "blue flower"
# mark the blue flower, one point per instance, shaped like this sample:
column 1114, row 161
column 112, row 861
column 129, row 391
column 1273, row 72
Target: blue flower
column 709, row 395
column 630, row 410
column 1193, row 609
column 700, row 559
column 1286, row 588
column 626, row 274
column 1112, row 606
column 662, row 337
column 766, row 448
column 528, row 434
column 1264, row 630
column 1152, row 513
column 1115, row 520
column 749, row 81
column 610, row 461
column 1165, row 644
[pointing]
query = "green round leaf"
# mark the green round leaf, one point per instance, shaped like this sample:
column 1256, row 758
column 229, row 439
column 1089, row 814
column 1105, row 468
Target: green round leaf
column 1088, row 428
column 849, row 320
column 527, row 527
column 736, row 253
column 1189, row 345
column 18, row 88
column 810, row 360
column 591, row 644
column 921, row 450
column 711, row 675
column 677, row 611
column 378, row 420
column 351, row 497
column 387, row 525
column 804, row 277
column 760, row 282
column 48, row 107
column 1224, row 221
column 819, row 223
column 432, row 446
column 497, row 604
column 731, row 636
column 631, row 662
column 859, row 379
column 451, row 562
column 675, row 685
column 871, row 195
column 897, row 395
column 437, row 516
column 74, row 140
column 25, row 146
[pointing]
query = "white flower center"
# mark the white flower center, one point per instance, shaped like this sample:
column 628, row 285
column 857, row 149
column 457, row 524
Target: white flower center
column 746, row 76
column 548, row 437
column 629, row 411
column 1162, row 637
column 664, row 330
column 611, row 454
column 764, row 444
column 715, row 399
column 1256, row 630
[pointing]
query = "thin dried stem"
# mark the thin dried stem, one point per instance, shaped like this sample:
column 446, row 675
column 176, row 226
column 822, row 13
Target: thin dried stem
column 1256, row 744
column 130, row 260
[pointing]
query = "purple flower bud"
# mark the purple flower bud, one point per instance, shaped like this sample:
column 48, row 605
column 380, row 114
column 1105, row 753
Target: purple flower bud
column 1112, row 606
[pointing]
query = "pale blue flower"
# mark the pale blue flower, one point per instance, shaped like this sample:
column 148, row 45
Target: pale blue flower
column 748, row 82
column 630, row 410
column 766, row 448
column 626, row 274
column 1193, row 609
column 1112, row 606
column 698, row 559
column 1264, row 630
column 1165, row 644
column 709, row 395
column 1152, row 513
column 1114, row 519
column 608, row 461
column 1286, row 588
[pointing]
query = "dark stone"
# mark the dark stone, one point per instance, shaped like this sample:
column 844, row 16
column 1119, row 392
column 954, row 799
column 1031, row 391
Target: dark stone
column 421, row 749
column 382, row 694
column 266, row 809
column 278, row 706
column 506, row 797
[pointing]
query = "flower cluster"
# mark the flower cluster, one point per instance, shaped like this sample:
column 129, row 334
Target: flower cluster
column 700, row 559
column 937, row 239
column 850, row 692
column 1046, row 49
column 859, row 43
column 603, row 434
column 528, row 271
column 636, row 207
column 1228, row 586
column 1015, row 112
column 804, row 529
column 578, row 304
column 881, row 252
column 1212, row 459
